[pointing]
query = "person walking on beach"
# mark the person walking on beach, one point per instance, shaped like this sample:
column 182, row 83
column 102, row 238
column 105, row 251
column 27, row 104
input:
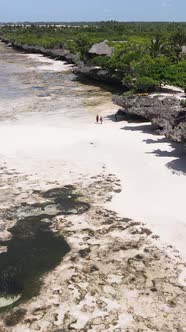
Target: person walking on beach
column 101, row 119
column 97, row 118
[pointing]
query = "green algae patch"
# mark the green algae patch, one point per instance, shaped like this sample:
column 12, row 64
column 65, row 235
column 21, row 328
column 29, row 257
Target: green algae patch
column 34, row 248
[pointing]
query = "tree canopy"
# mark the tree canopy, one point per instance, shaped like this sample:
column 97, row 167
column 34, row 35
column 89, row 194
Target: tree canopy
column 147, row 54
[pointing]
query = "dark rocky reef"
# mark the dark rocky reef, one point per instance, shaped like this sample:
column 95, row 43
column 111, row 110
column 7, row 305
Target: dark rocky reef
column 165, row 113
column 56, row 53
column 98, row 74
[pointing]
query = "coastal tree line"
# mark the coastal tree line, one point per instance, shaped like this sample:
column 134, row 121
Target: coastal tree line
column 146, row 55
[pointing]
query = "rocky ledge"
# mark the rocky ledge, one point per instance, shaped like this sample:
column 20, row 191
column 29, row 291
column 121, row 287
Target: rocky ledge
column 98, row 74
column 56, row 53
column 164, row 112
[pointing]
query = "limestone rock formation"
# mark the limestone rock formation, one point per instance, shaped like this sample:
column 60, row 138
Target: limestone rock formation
column 98, row 74
column 56, row 53
column 164, row 112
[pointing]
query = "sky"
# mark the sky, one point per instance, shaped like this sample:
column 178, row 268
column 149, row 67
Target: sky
column 92, row 10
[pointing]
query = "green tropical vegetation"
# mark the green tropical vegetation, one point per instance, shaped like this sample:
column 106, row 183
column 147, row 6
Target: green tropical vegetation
column 146, row 55
column 183, row 102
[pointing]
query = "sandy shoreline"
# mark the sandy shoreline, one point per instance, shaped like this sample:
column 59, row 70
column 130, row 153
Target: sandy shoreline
column 124, row 171
column 152, row 192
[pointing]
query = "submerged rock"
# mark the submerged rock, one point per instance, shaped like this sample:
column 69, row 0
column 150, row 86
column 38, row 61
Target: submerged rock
column 59, row 201
column 165, row 113
column 15, row 317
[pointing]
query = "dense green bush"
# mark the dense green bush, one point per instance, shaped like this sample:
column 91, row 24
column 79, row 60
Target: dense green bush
column 129, row 93
column 183, row 103
column 145, row 84
column 101, row 61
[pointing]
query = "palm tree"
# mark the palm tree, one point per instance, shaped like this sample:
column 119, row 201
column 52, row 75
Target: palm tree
column 156, row 46
column 178, row 39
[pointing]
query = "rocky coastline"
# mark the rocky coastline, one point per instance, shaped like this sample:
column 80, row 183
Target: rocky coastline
column 98, row 74
column 81, row 70
column 57, row 54
column 75, row 264
column 164, row 112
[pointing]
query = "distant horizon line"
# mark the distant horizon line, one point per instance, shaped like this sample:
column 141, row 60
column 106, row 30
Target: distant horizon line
column 82, row 21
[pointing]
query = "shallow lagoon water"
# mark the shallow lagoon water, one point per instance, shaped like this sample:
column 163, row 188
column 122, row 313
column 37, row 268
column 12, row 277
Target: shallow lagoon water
column 33, row 83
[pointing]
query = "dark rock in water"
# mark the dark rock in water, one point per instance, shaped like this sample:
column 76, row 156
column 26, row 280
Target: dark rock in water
column 84, row 252
column 34, row 248
column 35, row 87
column 57, row 192
column 15, row 317
column 66, row 200
column 165, row 113
column 59, row 201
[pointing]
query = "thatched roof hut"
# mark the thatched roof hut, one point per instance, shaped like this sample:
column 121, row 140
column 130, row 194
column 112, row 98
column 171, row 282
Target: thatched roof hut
column 101, row 49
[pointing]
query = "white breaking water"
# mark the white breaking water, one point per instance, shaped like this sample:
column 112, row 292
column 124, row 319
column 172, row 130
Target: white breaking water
column 47, row 64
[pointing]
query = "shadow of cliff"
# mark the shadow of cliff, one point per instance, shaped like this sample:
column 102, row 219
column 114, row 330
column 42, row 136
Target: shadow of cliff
column 178, row 165
column 105, row 86
column 145, row 128
column 130, row 118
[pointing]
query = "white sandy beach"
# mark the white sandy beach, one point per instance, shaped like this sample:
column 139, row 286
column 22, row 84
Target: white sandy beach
column 66, row 144
column 57, row 148
column 117, row 275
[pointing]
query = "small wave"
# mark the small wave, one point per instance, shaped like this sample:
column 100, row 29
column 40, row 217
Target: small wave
column 49, row 64
column 56, row 67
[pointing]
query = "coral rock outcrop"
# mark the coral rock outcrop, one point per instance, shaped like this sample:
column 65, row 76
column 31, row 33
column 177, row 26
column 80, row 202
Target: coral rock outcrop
column 166, row 113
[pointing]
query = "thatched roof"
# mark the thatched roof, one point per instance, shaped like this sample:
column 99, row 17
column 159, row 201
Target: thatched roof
column 101, row 49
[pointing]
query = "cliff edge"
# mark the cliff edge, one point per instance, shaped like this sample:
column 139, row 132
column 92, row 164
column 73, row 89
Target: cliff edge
column 164, row 112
